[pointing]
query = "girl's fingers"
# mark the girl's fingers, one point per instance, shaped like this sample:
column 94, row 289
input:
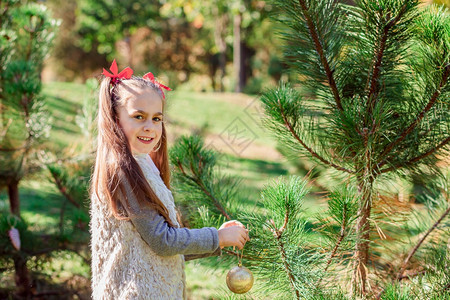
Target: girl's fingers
column 235, row 236
column 244, row 240
column 247, row 237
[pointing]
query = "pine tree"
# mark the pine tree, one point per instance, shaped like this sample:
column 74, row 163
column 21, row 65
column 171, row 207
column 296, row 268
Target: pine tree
column 25, row 40
column 25, row 36
column 373, row 104
column 380, row 104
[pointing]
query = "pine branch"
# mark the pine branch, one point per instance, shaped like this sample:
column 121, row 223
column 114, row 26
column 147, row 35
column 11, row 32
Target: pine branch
column 372, row 95
column 412, row 275
column 278, row 234
column 420, row 116
column 61, row 217
column 320, row 52
column 313, row 153
column 338, row 243
column 12, row 149
column 286, row 219
column 413, row 251
column 63, row 189
column 417, row 158
column 333, row 252
column 28, row 141
column 202, row 186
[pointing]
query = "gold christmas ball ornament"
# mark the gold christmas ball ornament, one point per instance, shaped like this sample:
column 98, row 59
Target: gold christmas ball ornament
column 240, row 280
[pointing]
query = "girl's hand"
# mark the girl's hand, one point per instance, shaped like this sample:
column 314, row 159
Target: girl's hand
column 234, row 235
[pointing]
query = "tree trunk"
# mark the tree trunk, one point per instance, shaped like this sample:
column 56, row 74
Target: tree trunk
column 359, row 281
column 213, row 66
column 237, row 54
column 22, row 278
column 219, row 37
column 223, row 62
column 246, row 63
column 14, row 202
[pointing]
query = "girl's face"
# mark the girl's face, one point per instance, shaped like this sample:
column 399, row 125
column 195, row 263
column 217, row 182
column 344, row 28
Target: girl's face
column 140, row 118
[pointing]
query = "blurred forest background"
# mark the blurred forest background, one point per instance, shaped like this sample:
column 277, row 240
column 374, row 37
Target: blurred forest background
column 219, row 45
column 218, row 57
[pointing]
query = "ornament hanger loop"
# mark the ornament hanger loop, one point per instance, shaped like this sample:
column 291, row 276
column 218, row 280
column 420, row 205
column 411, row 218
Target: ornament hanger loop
column 240, row 256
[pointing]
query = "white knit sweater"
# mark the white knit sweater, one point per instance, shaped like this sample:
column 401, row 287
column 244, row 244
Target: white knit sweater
column 123, row 265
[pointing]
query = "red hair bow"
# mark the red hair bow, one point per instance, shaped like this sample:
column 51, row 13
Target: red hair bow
column 124, row 74
column 149, row 76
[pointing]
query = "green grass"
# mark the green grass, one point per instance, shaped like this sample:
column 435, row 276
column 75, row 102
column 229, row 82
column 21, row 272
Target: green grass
column 39, row 203
column 64, row 101
column 216, row 112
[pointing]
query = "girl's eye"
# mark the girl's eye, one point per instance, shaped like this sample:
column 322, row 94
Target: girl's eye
column 157, row 119
column 139, row 117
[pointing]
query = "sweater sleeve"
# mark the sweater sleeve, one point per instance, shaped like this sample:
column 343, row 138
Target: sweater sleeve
column 165, row 240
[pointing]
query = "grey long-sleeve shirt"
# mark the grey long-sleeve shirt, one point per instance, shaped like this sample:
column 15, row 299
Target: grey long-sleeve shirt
column 165, row 240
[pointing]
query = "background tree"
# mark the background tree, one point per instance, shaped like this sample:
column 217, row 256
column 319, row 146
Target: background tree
column 231, row 25
column 176, row 39
column 67, row 238
column 103, row 23
column 93, row 33
column 71, row 58
column 215, row 16
column 248, row 17
column 26, row 34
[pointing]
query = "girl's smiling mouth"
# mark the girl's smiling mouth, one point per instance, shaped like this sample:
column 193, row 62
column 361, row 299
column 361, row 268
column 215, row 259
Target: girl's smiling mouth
column 145, row 140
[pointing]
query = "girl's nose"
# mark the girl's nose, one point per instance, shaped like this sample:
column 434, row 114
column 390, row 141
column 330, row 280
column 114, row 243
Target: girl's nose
column 148, row 126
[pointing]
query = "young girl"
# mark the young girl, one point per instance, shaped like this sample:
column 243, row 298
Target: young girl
column 138, row 247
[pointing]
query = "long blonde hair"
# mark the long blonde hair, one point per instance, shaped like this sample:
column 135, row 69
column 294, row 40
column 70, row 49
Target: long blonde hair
column 115, row 165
